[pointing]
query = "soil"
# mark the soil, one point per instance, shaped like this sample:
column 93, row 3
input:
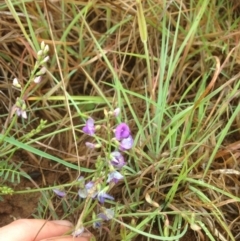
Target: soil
column 18, row 206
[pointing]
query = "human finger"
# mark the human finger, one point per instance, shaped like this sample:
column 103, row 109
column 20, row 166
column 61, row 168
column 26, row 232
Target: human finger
column 35, row 229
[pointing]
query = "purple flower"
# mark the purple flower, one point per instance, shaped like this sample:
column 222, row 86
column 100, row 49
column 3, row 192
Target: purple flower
column 117, row 159
column 126, row 143
column 87, row 190
column 89, row 186
column 60, row 193
column 122, row 131
column 89, row 128
column 102, row 195
column 97, row 225
column 108, row 214
column 90, row 191
column 114, row 176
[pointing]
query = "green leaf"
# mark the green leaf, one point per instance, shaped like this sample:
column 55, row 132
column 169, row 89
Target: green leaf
column 33, row 150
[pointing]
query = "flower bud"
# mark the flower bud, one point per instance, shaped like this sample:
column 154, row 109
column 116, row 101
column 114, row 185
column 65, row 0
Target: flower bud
column 46, row 49
column 42, row 45
column 37, row 80
column 116, row 112
column 16, row 83
column 39, row 53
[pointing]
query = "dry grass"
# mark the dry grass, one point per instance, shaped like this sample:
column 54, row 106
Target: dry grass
column 185, row 165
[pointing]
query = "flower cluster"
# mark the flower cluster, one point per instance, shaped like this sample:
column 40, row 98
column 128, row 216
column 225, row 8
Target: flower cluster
column 123, row 135
column 21, row 108
column 95, row 192
column 123, row 139
column 106, row 215
column 108, row 166
column 35, row 78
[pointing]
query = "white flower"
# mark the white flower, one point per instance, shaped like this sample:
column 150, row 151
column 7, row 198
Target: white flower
column 78, row 232
column 21, row 112
column 37, row 80
column 16, row 83
column 116, row 112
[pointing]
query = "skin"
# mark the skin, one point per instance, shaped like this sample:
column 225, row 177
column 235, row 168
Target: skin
column 38, row 230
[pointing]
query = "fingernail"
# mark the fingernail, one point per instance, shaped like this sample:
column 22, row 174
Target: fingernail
column 63, row 223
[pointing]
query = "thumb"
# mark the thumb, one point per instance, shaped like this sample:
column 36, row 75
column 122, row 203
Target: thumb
column 35, row 229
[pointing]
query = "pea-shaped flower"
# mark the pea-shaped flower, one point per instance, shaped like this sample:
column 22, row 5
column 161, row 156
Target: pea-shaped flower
column 102, row 195
column 122, row 131
column 126, row 143
column 117, row 159
column 59, row 192
column 89, row 128
column 115, row 177
column 87, row 190
column 107, row 215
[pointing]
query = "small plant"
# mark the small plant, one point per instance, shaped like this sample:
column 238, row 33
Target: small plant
column 26, row 90
column 113, row 142
column 11, row 171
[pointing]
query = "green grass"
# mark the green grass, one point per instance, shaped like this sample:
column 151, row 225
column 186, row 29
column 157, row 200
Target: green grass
column 173, row 69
